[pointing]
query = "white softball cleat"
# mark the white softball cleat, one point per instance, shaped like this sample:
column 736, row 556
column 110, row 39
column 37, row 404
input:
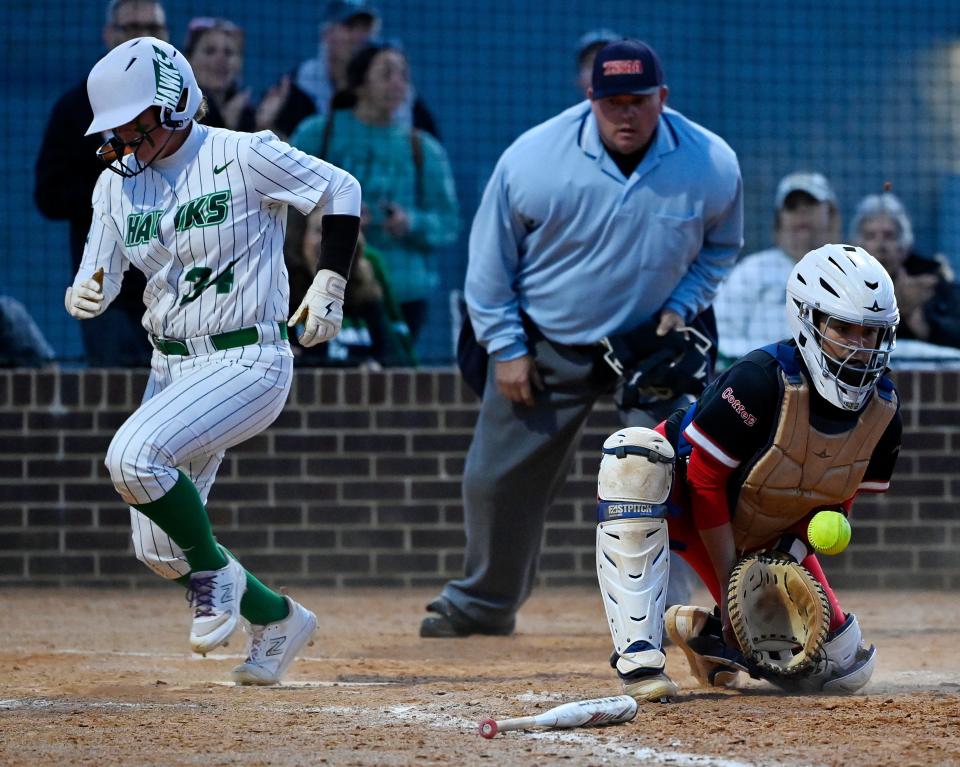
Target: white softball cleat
column 272, row 648
column 215, row 596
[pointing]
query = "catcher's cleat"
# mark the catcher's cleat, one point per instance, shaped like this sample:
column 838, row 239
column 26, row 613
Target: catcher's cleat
column 641, row 670
column 272, row 648
column 450, row 622
column 688, row 622
column 215, row 596
column 654, row 687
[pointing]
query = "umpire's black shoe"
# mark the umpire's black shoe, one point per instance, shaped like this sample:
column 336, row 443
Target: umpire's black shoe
column 450, row 622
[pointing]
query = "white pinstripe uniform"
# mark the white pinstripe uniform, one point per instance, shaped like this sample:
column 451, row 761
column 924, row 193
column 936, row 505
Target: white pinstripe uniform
column 206, row 225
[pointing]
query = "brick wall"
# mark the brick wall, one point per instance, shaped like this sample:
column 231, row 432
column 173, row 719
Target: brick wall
column 357, row 483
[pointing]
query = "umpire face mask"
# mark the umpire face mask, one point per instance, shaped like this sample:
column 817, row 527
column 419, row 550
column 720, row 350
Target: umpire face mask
column 137, row 140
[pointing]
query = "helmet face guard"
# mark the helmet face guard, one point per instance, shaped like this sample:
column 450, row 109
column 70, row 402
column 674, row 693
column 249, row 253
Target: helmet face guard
column 854, row 371
column 114, row 151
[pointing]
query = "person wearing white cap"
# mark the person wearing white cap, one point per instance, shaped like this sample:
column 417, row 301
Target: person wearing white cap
column 749, row 305
column 202, row 213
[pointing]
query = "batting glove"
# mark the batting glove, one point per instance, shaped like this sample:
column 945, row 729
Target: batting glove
column 321, row 310
column 85, row 301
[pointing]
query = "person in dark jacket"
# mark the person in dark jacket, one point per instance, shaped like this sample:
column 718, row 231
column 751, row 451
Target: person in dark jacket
column 66, row 171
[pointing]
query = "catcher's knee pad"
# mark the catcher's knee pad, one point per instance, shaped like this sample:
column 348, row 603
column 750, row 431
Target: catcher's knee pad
column 689, row 622
column 845, row 666
column 633, row 551
column 849, row 665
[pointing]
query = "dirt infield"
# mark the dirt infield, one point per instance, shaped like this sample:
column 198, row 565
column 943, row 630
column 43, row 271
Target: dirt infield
column 98, row 677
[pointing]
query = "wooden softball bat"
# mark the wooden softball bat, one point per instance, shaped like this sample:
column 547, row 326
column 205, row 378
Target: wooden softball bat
column 98, row 277
column 583, row 713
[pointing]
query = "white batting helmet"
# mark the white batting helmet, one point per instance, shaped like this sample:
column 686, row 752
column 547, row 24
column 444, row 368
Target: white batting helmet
column 138, row 74
column 842, row 284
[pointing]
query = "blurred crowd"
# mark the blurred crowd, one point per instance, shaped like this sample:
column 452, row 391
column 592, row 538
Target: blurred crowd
column 354, row 103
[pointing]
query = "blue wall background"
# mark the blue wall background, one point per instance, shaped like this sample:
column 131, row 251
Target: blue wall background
column 865, row 92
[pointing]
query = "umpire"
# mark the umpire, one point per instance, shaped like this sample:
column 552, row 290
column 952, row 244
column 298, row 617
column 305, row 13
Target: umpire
column 615, row 213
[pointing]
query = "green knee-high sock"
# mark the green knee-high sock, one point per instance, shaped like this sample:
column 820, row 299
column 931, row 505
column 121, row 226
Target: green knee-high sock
column 260, row 605
column 182, row 516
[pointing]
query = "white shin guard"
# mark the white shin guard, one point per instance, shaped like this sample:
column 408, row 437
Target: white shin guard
column 633, row 548
column 633, row 557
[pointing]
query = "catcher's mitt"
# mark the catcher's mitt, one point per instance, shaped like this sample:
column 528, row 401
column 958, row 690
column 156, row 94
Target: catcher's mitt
column 779, row 614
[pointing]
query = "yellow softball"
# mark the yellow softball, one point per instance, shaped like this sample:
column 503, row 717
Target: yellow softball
column 828, row 532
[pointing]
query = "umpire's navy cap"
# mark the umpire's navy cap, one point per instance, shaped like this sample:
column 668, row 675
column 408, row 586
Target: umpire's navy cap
column 341, row 11
column 626, row 67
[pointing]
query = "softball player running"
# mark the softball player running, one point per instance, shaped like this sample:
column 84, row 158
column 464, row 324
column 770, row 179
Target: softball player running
column 202, row 212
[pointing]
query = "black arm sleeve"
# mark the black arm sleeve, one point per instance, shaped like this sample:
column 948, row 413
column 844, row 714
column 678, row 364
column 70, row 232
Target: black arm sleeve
column 339, row 243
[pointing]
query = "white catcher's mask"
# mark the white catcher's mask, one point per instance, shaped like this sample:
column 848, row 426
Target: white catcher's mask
column 842, row 284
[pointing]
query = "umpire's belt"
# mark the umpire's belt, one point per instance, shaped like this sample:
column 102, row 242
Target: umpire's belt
column 265, row 332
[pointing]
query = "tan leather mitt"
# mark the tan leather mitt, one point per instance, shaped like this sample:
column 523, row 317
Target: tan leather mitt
column 779, row 614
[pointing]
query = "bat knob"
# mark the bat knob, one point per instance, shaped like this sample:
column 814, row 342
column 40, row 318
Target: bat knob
column 488, row 728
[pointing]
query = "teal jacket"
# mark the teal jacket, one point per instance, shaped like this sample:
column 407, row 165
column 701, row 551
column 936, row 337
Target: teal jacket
column 391, row 168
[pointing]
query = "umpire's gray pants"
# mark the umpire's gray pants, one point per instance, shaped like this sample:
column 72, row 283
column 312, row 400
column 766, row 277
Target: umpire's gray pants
column 516, row 465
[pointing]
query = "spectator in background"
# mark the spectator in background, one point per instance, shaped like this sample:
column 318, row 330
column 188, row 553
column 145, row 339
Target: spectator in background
column 348, row 26
column 587, row 47
column 410, row 204
column 66, row 171
column 928, row 298
column 749, row 305
column 215, row 50
column 21, row 342
column 373, row 333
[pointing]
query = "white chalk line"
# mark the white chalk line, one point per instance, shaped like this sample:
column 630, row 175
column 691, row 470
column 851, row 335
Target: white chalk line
column 307, row 685
column 11, row 704
column 189, row 656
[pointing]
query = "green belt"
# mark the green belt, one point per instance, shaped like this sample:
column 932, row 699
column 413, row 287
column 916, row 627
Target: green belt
column 221, row 341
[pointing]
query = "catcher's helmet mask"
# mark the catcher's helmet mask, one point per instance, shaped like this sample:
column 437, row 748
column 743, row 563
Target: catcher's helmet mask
column 842, row 284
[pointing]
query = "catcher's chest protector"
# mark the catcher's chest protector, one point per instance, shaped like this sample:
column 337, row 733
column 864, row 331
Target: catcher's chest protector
column 805, row 469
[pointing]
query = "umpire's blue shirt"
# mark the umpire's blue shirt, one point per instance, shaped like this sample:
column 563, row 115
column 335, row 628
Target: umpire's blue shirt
column 562, row 235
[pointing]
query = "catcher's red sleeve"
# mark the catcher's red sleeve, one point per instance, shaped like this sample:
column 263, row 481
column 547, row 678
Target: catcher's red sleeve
column 707, row 483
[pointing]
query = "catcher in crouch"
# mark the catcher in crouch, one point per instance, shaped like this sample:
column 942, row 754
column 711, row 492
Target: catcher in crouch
column 790, row 429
